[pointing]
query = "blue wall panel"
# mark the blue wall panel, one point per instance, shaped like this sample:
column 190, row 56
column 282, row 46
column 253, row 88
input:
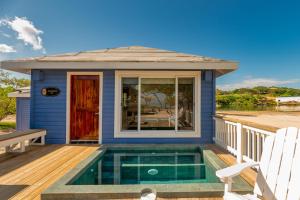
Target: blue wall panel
column 108, row 107
column 50, row 112
column 207, row 106
column 207, row 113
column 23, row 113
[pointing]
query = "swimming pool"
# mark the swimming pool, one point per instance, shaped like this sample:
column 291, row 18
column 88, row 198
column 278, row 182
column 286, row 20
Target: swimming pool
column 123, row 171
column 148, row 166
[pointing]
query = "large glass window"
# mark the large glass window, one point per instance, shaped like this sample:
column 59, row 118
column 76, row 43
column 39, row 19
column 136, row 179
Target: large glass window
column 149, row 103
column 157, row 104
column 185, row 104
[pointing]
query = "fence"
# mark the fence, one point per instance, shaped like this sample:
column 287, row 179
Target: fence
column 243, row 141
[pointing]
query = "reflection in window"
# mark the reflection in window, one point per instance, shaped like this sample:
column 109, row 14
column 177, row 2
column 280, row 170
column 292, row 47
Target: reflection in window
column 158, row 104
column 185, row 104
column 129, row 103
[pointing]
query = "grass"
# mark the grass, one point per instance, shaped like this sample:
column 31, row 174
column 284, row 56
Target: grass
column 7, row 125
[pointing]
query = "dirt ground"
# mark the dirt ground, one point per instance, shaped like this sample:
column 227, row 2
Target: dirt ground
column 267, row 118
column 9, row 118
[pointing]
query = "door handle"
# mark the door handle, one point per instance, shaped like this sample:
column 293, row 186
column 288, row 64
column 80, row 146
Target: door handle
column 97, row 113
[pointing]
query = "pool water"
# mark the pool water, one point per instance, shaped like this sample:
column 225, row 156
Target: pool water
column 147, row 166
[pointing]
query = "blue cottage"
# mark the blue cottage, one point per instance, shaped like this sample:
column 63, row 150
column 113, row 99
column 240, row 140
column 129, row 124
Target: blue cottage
column 123, row 95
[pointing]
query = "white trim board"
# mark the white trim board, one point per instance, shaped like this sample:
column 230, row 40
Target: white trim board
column 68, row 99
column 19, row 94
column 26, row 66
column 159, row 133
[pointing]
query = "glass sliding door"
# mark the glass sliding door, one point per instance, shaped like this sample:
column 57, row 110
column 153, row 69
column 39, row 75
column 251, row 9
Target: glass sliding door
column 157, row 104
column 129, row 103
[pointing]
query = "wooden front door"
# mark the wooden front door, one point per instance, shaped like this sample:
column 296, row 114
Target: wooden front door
column 84, row 124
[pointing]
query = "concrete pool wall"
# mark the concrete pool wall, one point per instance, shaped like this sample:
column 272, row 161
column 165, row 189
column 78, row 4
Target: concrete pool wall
column 63, row 190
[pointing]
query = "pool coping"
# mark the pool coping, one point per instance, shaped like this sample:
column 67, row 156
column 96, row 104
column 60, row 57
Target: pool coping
column 61, row 190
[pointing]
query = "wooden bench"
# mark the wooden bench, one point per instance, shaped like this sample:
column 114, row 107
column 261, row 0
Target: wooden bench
column 11, row 140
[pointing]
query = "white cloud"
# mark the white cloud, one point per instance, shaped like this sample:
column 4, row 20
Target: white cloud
column 6, row 49
column 27, row 32
column 253, row 82
column 5, row 34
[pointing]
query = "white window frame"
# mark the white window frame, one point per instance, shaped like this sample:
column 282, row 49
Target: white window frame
column 118, row 133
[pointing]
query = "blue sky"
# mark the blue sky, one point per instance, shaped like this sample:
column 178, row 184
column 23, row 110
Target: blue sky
column 264, row 36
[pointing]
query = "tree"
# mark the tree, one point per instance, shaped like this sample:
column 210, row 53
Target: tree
column 9, row 84
column 259, row 97
column 6, row 80
column 7, row 105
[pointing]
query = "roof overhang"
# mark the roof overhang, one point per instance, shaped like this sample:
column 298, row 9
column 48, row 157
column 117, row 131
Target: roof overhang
column 221, row 67
column 18, row 94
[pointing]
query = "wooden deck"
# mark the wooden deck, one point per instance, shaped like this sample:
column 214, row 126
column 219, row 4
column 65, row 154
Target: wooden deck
column 26, row 175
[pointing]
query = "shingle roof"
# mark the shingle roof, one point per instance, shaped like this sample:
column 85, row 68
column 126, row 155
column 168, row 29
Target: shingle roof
column 131, row 54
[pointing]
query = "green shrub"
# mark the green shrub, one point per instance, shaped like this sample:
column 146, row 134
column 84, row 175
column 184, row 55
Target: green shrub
column 7, row 125
column 243, row 101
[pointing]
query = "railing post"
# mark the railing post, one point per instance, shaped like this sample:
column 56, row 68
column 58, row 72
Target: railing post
column 239, row 156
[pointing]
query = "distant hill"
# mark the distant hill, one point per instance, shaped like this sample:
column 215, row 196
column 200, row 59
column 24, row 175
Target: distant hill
column 257, row 98
column 261, row 90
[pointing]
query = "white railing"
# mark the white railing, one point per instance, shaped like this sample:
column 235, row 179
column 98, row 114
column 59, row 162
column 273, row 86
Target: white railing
column 243, row 141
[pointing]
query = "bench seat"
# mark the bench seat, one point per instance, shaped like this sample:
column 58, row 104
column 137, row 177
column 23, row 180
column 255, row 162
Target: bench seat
column 19, row 137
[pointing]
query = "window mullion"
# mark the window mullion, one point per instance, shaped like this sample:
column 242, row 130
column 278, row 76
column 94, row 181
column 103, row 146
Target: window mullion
column 176, row 103
column 121, row 102
column 139, row 104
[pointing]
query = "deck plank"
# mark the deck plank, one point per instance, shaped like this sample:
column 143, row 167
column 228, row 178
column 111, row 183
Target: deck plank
column 36, row 165
column 27, row 175
column 45, row 182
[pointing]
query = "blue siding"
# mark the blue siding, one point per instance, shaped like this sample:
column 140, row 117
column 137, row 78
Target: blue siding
column 50, row 112
column 207, row 113
column 23, row 113
column 208, row 105
column 108, row 107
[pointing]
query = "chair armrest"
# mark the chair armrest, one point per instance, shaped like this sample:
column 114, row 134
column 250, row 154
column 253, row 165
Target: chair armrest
column 232, row 171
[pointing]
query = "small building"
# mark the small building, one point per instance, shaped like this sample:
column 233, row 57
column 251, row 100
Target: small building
column 287, row 100
column 123, row 95
column 22, row 96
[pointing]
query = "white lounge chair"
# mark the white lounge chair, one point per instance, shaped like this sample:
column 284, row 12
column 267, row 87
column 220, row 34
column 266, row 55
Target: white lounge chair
column 278, row 174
